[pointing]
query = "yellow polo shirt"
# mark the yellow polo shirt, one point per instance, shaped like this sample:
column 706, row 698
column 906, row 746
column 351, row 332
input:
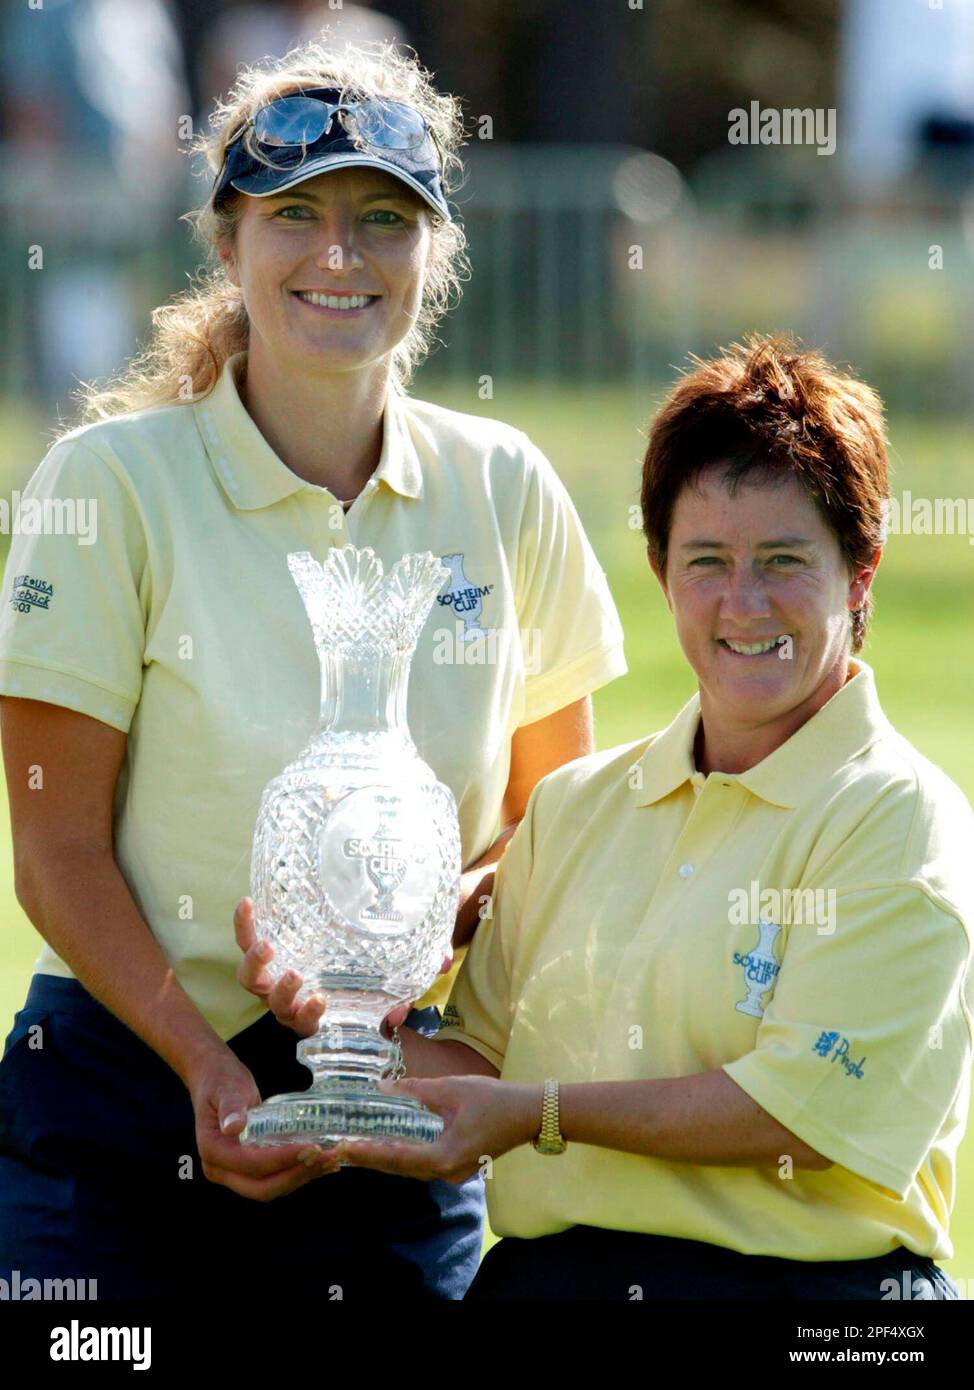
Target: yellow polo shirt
column 804, row 925
column 176, row 620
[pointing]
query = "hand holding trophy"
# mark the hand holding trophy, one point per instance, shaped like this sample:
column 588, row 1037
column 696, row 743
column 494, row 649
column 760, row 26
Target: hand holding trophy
column 356, row 863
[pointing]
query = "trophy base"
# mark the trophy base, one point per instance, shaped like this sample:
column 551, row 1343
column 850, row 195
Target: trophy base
column 324, row 1118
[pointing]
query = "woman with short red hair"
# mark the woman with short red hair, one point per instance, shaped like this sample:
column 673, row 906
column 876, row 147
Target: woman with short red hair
column 727, row 982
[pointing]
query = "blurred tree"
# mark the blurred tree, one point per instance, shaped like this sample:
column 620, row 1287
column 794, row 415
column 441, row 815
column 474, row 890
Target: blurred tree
column 663, row 76
column 712, row 57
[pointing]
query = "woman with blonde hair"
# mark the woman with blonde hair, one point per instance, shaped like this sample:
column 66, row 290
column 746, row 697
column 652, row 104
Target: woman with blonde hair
column 161, row 675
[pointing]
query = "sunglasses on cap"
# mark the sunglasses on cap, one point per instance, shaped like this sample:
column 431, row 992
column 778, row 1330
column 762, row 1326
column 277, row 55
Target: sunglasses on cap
column 302, row 120
column 304, row 133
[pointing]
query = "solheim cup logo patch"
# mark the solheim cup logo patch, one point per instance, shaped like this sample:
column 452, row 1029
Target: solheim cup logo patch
column 760, row 969
column 30, row 592
column 464, row 597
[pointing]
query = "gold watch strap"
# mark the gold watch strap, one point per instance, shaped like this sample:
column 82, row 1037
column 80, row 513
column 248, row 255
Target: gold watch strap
column 550, row 1139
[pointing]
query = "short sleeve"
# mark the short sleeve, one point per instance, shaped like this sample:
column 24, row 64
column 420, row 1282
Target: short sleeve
column 479, row 1010
column 866, row 1042
column 572, row 636
column 72, row 619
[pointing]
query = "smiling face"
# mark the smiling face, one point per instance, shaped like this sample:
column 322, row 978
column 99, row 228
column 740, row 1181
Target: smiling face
column 332, row 270
column 761, row 596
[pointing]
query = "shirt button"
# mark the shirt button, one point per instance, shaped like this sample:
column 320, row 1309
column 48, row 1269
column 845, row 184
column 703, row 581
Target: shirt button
column 685, row 870
column 697, row 791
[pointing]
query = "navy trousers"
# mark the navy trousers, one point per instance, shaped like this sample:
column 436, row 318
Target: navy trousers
column 589, row 1263
column 100, row 1178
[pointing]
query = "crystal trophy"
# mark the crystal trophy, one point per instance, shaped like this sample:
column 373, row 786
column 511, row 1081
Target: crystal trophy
column 356, row 863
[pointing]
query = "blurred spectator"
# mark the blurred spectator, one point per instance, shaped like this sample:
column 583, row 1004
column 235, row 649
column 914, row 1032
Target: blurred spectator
column 92, row 92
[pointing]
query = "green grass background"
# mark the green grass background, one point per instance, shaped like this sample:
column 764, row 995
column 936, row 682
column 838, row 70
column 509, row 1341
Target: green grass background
column 920, row 643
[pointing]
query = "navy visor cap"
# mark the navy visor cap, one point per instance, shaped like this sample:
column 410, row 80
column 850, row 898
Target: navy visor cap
column 419, row 167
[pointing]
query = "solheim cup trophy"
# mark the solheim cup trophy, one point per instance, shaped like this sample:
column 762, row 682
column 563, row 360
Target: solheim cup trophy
column 356, row 863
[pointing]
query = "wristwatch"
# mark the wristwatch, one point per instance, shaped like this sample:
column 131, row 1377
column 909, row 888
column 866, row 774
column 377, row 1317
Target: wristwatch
column 550, row 1139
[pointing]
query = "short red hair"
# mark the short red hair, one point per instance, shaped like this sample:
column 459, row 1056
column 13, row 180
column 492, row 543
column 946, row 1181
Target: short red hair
column 767, row 406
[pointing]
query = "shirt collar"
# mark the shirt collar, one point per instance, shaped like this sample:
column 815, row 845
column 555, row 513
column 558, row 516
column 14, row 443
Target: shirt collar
column 253, row 476
column 846, row 725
